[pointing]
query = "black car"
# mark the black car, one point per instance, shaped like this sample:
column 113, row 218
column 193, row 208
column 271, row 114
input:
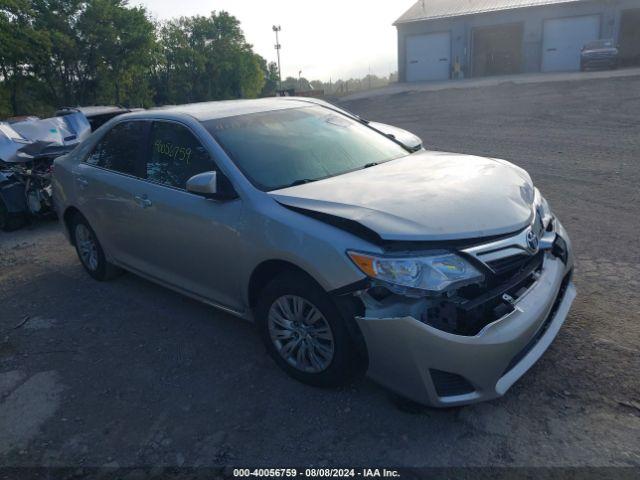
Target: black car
column 599, row 54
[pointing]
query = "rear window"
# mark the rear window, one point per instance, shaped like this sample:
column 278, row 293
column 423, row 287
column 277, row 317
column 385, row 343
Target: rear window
column 119, row 149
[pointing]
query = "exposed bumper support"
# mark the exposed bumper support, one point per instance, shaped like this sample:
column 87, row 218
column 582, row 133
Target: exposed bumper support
column 404, row 352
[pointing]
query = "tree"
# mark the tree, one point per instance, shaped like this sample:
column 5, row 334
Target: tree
column 117, row 43
column 60, row 64
column 207, row 58
column 20, row 45
column 272, row 78
column 298, row 84
column 67, row 52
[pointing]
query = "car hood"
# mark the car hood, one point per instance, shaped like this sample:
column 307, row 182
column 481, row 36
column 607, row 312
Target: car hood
column 426, row 196
column 600, row 51
column 406, row 138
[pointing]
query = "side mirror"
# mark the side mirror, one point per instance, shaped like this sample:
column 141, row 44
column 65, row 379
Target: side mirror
column 205, row 184
column 211, row 185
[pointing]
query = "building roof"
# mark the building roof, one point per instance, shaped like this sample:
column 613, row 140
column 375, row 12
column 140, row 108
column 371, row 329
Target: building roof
column 433, row 9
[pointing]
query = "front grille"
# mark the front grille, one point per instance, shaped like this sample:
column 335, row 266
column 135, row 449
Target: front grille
column 508, row 264
column 476, row 306
column 543, row 329
column 449, row 384
column 598, row 56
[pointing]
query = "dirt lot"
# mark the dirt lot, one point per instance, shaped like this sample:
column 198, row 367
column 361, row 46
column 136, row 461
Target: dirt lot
column 128, row 373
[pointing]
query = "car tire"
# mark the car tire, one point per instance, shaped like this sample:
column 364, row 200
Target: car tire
column 337, row 370
column 10, row 221
column 90, row 251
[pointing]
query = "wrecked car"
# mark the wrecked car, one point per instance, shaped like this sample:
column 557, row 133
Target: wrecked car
column 353, row 248
column 28, row 146
column 96, row 115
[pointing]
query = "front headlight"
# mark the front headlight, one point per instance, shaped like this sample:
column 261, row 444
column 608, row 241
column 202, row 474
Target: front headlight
column 438, row 272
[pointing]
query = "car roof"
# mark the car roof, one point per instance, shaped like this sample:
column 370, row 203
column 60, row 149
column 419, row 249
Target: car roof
column 93, row 110
column 230, row 108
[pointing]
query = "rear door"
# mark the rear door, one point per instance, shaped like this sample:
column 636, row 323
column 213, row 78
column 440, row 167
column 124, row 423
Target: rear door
column 563, row 40
column 183, row 239
column 105, row 183
column 428, row 57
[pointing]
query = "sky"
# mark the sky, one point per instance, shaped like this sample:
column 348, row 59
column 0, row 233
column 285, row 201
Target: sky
column 327, row 39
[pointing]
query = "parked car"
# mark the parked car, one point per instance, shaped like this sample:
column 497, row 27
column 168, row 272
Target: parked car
column 599, row 54
column 444, row 276
column 97, row 115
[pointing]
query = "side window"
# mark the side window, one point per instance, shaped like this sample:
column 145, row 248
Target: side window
column 176, row 155
column 119, row 148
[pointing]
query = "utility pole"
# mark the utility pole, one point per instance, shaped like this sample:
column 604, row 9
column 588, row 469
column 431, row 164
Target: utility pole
column 277, row 28
column 299, row 81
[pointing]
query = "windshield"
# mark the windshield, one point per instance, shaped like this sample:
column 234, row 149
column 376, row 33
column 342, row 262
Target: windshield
column 283, row 148
column 599, row 44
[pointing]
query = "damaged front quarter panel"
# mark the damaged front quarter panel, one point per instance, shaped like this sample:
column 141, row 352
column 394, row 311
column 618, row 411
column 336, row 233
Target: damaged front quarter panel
column 416, row 353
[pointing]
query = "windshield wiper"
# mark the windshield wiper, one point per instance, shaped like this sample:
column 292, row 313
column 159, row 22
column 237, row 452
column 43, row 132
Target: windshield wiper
column 372, row 164
column 300, row 182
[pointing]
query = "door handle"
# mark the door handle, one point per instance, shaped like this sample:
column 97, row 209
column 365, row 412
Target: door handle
column 82, row 182
column 143, row 201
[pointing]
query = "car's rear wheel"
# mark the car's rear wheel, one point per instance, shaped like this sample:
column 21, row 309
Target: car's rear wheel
column 90, row 251
column 304, row 331
column 9, row 221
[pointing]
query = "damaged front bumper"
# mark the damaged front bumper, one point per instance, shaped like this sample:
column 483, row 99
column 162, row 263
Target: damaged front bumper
column 442, row 369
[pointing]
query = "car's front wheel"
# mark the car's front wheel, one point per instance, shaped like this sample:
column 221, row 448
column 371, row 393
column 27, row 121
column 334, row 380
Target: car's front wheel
column 90, row 251
column 304, row 332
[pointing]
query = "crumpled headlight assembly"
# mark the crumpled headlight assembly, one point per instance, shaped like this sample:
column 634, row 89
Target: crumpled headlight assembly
column 543, row 207
column 434, row 273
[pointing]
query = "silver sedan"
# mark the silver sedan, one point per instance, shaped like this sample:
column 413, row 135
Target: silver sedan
column 352, row 248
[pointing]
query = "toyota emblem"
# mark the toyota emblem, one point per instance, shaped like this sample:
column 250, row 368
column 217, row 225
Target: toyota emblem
column 533, row 242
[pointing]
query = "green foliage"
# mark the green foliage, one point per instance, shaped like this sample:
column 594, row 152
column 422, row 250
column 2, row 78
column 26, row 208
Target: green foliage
column 271, row 78
column 70, row 52
column 299, row 84
column 207, row 58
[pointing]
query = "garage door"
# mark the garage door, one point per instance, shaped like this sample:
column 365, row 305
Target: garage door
column 428, row 57
column 563, row 39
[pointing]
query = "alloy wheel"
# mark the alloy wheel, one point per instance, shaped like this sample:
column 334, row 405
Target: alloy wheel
column 87, row 247
column 301, row 334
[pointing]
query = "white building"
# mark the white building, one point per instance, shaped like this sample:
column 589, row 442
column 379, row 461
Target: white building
column 438, row 38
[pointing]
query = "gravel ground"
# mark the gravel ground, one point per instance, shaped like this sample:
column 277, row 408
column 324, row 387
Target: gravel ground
column 127, row 373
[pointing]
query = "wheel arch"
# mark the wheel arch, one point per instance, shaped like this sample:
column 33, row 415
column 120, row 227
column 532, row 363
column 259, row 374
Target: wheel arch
column 348, row 305
column 67, row 218
column 267, row 271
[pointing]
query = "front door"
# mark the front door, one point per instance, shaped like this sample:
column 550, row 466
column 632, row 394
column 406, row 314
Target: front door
column 183, row 239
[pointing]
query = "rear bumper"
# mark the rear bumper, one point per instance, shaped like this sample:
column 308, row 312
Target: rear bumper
column 442, row 369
